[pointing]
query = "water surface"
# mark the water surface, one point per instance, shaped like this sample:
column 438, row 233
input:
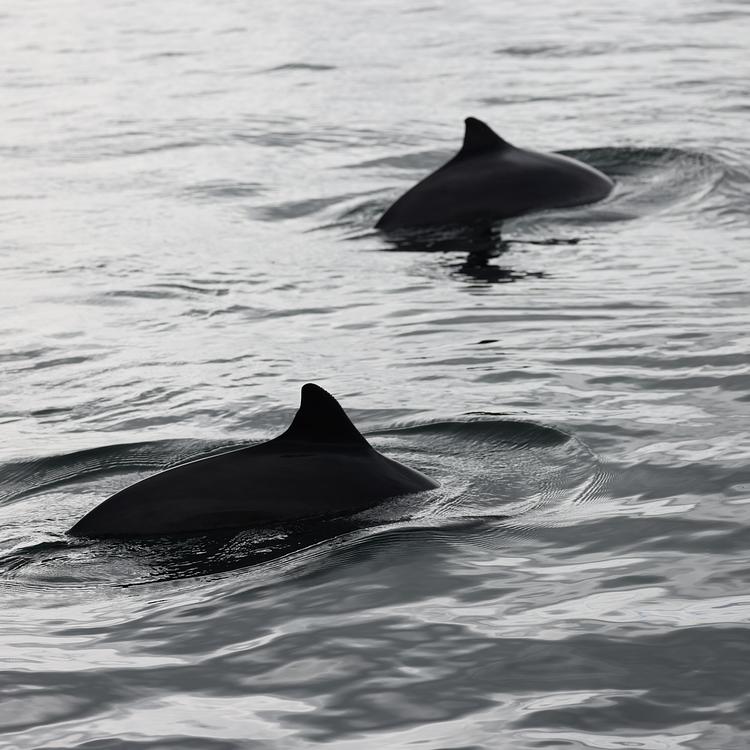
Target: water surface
column 187, row 198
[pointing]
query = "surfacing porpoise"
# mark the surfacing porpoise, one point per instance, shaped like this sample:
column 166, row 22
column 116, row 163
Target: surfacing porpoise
column 321, row 467
column 489, row 180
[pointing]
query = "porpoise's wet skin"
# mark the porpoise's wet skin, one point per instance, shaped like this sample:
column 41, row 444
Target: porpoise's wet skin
column 321, row 467
column 489, row 180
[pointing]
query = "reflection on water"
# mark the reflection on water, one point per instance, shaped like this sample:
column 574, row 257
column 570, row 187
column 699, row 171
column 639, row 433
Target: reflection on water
column 481, row 244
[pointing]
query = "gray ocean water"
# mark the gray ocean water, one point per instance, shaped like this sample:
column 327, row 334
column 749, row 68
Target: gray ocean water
column 187, row 194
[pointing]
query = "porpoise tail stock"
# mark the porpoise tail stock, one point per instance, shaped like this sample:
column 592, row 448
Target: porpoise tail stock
column 489, row 180
column 321, row 467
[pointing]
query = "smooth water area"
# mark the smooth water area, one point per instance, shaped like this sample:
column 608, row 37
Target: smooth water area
column 187, row 196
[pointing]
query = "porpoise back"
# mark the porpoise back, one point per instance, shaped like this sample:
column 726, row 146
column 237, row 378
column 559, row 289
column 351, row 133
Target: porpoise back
column 489, row 179
column 321, row 467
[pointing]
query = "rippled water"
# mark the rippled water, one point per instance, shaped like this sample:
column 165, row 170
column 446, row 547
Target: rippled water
column 187, row 195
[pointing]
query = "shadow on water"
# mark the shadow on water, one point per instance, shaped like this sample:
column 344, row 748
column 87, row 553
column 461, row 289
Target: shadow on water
column 128, row 562
column 480, row 244
column 491, row 471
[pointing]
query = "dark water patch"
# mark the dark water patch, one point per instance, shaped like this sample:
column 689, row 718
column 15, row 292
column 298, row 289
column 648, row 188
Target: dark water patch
column 540, row 315
column 167, row 56
column 160, row 742
column 246, row 312
column 291, row 67
column 119, row 147
column 297, row 135
column 667, row 360
column 122, row 144
column 478, row 242
column 679, row 46
column 577, row 49
column 507, row 376
column 23, row 355
column 292, row 312
column 420, row 9
column 715, row 16
column 563, row 98
column 478, row 270
column 222, row 190
column 164, row 291
column 728, row 382
column 159, row 147
column 297, row 209
column 633, row 582
column 206, row 288
column 257, row 315
column 58, row 361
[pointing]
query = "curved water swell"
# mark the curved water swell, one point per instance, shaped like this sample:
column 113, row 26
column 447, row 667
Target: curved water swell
column 497, row 468
column 652, row 180
column 491, row 471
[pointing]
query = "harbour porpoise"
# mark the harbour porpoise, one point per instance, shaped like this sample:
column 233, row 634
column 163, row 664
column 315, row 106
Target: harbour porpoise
column 489, row 179
column 320, row 467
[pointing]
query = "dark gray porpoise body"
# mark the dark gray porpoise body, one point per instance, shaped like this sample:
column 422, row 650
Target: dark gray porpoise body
column 320, row 467
column 489, row 180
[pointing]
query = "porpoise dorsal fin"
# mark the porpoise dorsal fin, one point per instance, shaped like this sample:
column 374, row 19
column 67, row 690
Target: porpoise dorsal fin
column 320, row 419
column 479, row 138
